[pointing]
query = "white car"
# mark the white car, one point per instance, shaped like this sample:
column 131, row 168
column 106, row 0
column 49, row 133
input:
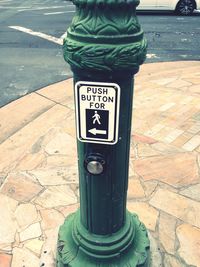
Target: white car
column 182, row 7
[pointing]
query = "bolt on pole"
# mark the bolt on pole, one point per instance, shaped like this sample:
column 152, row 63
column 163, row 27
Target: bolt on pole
column 104, row 47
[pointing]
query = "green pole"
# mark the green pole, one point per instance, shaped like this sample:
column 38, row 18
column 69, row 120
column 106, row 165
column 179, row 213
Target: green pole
column 104, row 47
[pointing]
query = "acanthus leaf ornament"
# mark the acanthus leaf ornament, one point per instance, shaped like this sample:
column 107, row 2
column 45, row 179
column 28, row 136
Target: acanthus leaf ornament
column 101, row 40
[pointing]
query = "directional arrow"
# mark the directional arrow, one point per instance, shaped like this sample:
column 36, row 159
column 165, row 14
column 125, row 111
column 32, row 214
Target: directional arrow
column 94, row 131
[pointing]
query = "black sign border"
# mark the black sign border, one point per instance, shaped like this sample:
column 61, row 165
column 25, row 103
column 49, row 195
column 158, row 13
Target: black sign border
column 92, row 140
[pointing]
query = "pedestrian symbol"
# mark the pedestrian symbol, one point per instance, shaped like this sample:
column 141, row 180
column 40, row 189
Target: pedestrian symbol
column 96, row 118
column 97, row 112
column 95, row 127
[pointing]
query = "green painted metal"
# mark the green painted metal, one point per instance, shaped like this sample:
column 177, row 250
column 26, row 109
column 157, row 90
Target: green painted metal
column 105, row 43
column 127, row 248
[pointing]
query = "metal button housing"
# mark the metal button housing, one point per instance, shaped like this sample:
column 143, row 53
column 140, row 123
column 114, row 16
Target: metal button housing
column 94, row 167
column 94, row 164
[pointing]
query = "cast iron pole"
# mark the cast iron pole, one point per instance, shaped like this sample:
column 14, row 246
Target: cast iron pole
column 104, row 47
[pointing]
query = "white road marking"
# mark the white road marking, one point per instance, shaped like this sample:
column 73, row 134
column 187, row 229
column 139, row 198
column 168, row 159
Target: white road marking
column 38, row 34
column 184, row 56
column 5, row 1
column 24, row 8
column 63, row 36
column 52, row 38
column 151, row 56
column 40, row 8
column 61, row 12
column 12, row 7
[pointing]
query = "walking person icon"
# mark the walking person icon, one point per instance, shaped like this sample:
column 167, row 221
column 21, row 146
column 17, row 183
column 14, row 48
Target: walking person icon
column 96, row 117
column 97, row 124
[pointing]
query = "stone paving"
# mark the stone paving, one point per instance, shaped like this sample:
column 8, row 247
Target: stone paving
column 38, row 171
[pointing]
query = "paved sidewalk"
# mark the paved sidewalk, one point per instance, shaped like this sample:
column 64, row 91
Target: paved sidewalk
column 38, row 173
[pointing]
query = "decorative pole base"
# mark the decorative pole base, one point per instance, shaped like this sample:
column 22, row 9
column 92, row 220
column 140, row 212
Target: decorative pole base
column 129, row 247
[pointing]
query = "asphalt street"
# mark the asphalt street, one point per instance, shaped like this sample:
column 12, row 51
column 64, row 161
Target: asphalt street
column 31, row 33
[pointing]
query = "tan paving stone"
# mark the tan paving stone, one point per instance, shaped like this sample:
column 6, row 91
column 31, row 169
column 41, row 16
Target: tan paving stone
column 186, row 111
column 68, row 125
column 192, row 192
column 2, row 177
column 178, row 206
column 23, row 257
column 173, row 135
column 156, row 258
column 186, row 108
column 187, row 99
column 147, row 214
column 195, row 128
column 8, row 224
column 133, row 152
column 164, row 81
column 167, row 106
column 139, row 125
column 21, row 187
column 193, row 143
column 51, row 218
column 195, row 89
column 182, row 139
column 16, row 243
column 5, row 260
column 135, row 189
column 167, row 236
column 16, row 147
column 66, row 210
column 166, row 148
column 33, row 231
column 192, row 72
column 58, row 92
column 163, row 133
column 55, row 196
column 154, row 130
column 143, row 139
column 176, row 67
column 171, row 122
column 145, row 150
column 35, row 245
column 50, row 176
column 56, row 175
column 170, row 261
column 196, row 103
column 40, row 143
column 150, row 187
column 193, row 80
column 189, row 238
column 69, row 103
column 30, row 162
column 20, row 112
column 6, row 248
column 131, row 170
column 196, row 116
column 62, row 144
column 26, row 214
column 49, row 248
column 193, row 110
column 177, row 170
column 59, row 160
column 198, row 160
column 179, row 84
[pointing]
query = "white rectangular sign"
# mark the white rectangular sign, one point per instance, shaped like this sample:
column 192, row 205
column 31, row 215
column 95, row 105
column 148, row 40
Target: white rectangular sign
column 97, row 112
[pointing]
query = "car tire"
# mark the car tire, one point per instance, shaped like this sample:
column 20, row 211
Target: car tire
column 185, row 7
